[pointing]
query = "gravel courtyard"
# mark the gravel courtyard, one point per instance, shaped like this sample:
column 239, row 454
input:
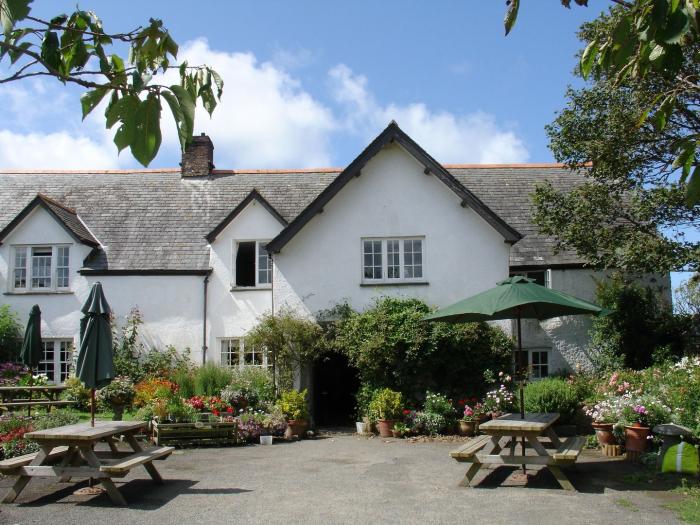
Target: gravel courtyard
column 343, row 478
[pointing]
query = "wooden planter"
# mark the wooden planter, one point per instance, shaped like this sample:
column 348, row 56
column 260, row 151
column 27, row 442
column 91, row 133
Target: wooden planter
column 225, row 433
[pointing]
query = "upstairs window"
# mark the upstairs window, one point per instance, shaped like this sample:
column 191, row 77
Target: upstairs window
column 253, row 265
column 40, row 268
column 392, row 260
column 541, row 277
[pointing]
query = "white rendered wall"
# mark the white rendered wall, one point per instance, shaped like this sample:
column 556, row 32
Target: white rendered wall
column 233, row 312
column 322, row 265
column 171, row 306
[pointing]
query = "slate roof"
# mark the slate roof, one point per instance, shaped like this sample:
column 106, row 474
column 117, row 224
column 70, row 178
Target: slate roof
column 152, row 220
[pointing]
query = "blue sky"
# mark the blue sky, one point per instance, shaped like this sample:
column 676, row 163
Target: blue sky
column 309, row 83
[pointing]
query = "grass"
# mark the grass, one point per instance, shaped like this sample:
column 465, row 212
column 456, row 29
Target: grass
column 688, row 508
column 624, row 502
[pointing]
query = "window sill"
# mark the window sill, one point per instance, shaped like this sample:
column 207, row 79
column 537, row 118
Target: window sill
column 47, row 292
column 399, row 283
column 250, row 288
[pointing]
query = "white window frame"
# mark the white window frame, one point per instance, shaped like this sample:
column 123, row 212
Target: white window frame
column 28, row 268
column 56, row 364
column 235, row 346
column 547, row 275
column 530, row 361
column 385, row 279
column 258, row 245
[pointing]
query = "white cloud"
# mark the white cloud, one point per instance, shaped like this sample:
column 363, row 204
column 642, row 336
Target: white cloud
column 265, row 118
column 473, row 137
column 60, row 150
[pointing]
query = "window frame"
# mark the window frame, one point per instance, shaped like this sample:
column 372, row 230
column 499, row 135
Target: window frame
column 384, row 259
column 259, row 243
column 529, row 360
column 240, row 351
column 29, row 268
column 56, row 363
column 526, row 273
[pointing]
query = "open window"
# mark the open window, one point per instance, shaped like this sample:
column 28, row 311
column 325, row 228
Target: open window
column 253, row 265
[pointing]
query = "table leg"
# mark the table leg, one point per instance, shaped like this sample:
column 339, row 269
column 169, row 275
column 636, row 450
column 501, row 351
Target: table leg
column 150, row 468
column 107, row 483
column 112, row 446
column 471, row 472
column 22, row 481
column 553, row 437
column 67, row 460
column 541, row 451
column 561, row 478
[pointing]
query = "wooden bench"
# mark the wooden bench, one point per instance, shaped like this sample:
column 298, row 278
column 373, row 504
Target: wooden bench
column 467, row 451
column 569, row 451
column 12, row 464
column 124, row 465
column 39, row 403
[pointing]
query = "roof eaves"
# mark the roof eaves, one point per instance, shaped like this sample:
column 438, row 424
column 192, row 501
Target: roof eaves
column 254, row 195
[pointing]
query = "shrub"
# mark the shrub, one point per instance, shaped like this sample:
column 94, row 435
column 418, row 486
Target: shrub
column 292, row 404
column 552, row 395
column 363, row 398
column 438, row 404
column 429, row 423
column 12, row 374
column 56, row 418
column 10, row 334
column 386, row 404
column 119, row 393
column 165, row 363
column 391, row 346
column 184, row 379
column 152, row 389
column 251, row 386
column 210, row 379
column 77, row 392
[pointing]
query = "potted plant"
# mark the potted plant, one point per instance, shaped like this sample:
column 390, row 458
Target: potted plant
column 604, row 414
column 637, row 432
column 386, row 404
column 293, row 405
column 470, row 419
column 399, row 430
column 117, row 395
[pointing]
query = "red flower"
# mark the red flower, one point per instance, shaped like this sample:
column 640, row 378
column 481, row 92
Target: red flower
column 215, row 412
column 229, row 410
column 406, row 411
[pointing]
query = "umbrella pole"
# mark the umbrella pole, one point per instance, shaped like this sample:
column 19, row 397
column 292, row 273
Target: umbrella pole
column 92, row 407
column 521, row 380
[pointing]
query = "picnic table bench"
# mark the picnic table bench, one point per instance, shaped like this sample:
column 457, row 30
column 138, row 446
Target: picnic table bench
column 487, row 449
column 68, row 452
column 22, row 396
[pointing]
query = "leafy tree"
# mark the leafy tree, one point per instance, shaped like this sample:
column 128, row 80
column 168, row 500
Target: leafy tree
column 392, row 347
column 688, row 297
column 10, row 334
column 615, row 216
column 651, row 39
column 74, row 48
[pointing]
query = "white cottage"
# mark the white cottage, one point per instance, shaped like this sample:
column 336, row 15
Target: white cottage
column 202, row 253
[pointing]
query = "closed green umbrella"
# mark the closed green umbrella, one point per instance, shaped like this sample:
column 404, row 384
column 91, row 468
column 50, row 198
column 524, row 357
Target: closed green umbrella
column 516, row 298
column 95, row 366
column 32, row 350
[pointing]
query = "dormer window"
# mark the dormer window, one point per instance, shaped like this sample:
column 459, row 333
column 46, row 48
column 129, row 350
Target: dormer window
column 252, row 265
column 40, row 268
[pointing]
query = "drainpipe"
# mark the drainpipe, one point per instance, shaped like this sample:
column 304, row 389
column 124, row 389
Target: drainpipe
column 272, row 313
column 204, row 321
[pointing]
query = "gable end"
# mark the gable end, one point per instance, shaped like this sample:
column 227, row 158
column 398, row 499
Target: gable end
column 252, row 196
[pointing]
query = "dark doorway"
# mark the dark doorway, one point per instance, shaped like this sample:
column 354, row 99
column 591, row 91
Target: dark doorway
column 335, row 385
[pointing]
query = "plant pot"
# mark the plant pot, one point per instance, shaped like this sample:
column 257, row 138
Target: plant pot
column 636, row 438
column 296, row 427
column 266, row 440
column 604, row 433
column 118, row 412
column 467, row 428
column 384, row 427
column 361, row 427
column 396, row 433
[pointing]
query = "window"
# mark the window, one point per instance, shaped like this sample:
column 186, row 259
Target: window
column 235, row 354
column 253, row 265
column 403, row 261
column 57, row 359
column 537, row 361
column 41, row 268
column 541, row 277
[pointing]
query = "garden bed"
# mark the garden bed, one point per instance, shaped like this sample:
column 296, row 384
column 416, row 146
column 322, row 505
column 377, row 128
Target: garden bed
column 197, row 433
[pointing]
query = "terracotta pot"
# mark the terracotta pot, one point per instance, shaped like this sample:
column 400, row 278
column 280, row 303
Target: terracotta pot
column 604, row 433
column 467, row 428
column 636, row 438
column 384, row 427
column 296, row 427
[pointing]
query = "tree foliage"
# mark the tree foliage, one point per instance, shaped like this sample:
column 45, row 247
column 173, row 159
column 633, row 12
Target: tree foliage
column 651, row 39
column 615, row 217
column 392, row 347
column 74, row 48
column 10, row 334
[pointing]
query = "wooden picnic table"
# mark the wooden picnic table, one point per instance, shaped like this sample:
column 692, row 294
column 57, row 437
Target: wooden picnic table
column 505, row 432
column 22, row 396
column 68, row 452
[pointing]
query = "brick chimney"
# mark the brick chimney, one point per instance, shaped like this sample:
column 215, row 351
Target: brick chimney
column 198, row 159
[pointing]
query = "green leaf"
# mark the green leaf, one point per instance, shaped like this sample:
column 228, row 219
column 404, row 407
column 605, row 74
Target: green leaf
column 176, row 110
column 121, row 109
column 187, row 105
column 11, row 12
column 50, row 51
column 90, row 99
column 124, row 135
column 692, row 190
column 676, row 27
column 588, row 58
column 218, row 81
column 148, row 137
column 511, row 14
column 657, row 55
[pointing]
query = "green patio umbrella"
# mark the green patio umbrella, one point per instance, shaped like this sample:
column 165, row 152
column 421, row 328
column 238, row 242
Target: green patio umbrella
column 95, row 366
column 32, row 350
column 516, row 298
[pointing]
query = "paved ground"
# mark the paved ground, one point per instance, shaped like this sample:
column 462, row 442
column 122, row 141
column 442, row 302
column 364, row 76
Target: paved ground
column 344, row 479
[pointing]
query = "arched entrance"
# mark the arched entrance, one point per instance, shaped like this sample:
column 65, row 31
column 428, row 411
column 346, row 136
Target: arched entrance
column 335, row 385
